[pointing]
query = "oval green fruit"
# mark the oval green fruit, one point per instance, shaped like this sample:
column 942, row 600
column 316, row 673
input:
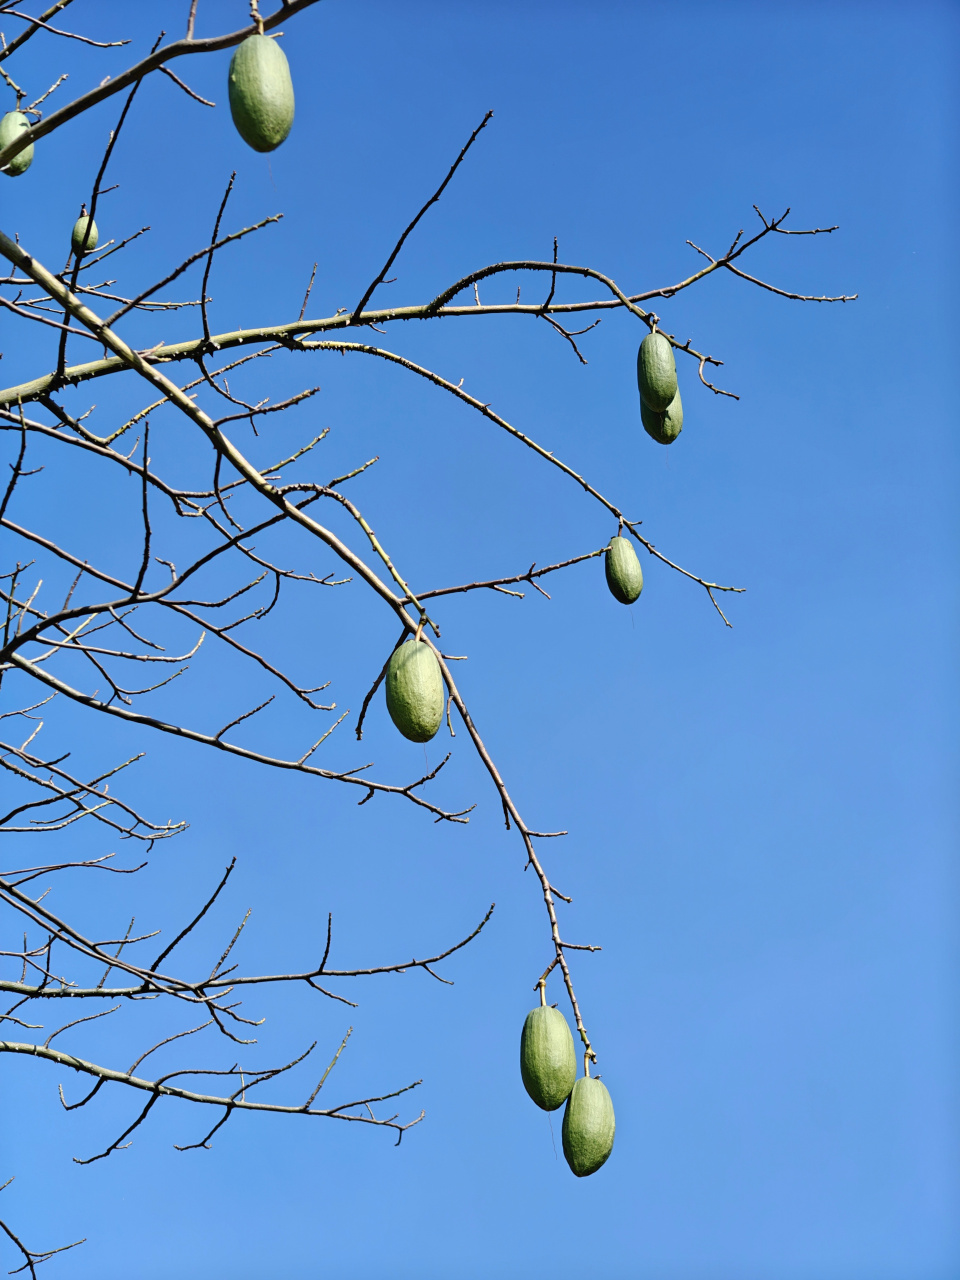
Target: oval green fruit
column 11, row 126
column 415, row 691
column 656, row 372
column 588, row 1126
column 624, row 575
column 80, row 234
column 261, row 93
column 663, row 427
column 548, row 1060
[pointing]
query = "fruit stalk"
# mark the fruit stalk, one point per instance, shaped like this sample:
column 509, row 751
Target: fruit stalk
column 511, row 811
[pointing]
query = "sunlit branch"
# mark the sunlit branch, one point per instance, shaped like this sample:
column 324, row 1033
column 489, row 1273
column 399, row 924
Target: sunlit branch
column 192, row 735
column 141, row 69
column 161, row 1089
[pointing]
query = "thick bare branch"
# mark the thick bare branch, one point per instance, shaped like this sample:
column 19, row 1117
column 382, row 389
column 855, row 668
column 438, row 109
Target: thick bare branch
column 290, row 334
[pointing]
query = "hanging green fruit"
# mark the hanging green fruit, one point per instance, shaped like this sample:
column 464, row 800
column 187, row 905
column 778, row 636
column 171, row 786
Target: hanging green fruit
column 588, row 1126
column 82, row 240
column 624, row 575
column 663, row 427
column 548, row 1060
column 11, row 126
column 656, row 372
column 414, row 688
column 261, row 93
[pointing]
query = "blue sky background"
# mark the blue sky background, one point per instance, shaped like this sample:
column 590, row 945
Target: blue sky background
column 762, row 820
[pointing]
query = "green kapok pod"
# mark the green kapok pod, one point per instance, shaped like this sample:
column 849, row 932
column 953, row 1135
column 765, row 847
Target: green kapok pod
column 548, row 1060
column 624, row 575
column 588, row 1126
column 656, row 372
column 11, row 126
column 414, row 688
column 663, row 427
column 261, row 93
column 81, row 240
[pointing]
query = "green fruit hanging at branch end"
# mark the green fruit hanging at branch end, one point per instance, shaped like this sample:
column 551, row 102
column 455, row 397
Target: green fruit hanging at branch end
column 624, row 575
column 81, row 240
column 261, row 93
column 548, row 1060
column 588, row 1127
column 656, row 372
column 414, row 689
column 11, row 126
column 663, row 427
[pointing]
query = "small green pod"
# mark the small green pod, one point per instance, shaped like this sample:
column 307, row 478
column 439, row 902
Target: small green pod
column 81, row 240
column 624, row 575
column 663, row 427
column 588, row 1126
column 11, row 126
column 548, row 1060
column 656, row 372
column 414, row 687
column 261, row 93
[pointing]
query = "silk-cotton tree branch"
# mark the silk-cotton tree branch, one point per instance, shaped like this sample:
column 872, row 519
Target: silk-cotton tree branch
column 53, row 949
column 194, row 568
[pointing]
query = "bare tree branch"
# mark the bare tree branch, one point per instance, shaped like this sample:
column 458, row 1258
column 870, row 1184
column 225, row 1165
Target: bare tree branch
column 141, row 69
column 358, row 309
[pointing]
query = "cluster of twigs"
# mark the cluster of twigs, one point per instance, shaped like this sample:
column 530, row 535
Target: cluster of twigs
column 53, row 961
column 107, row 624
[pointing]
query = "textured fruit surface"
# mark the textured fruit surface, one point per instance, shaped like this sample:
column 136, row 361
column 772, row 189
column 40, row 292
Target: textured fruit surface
column 80, row 233
column 548, row 1060
column 588, row 1126
column 415, row 691
column 624, row 575
column 11, row 125
column 656, row 372
column 664, row 427
column 261, row 93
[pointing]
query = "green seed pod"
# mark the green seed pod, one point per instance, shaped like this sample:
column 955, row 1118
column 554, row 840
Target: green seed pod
column 548, row 1060
column 588, row 1126
column 663, row 427
column 656, row 372
column 11, row 126
column 80, row 234
column 414, row 689
column 261, row 93
column 624, row 575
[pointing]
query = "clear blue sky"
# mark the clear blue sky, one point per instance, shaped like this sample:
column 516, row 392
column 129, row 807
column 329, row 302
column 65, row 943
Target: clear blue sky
column 762, row 822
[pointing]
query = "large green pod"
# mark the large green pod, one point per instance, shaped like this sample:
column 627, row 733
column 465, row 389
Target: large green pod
column 624, row 575
column 663, row 427
column 656, row 372
column 415, row 691
column 261, row 93
column 588, row 1126
column 81, row 240
column 11, row 126
column 548, row 1060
